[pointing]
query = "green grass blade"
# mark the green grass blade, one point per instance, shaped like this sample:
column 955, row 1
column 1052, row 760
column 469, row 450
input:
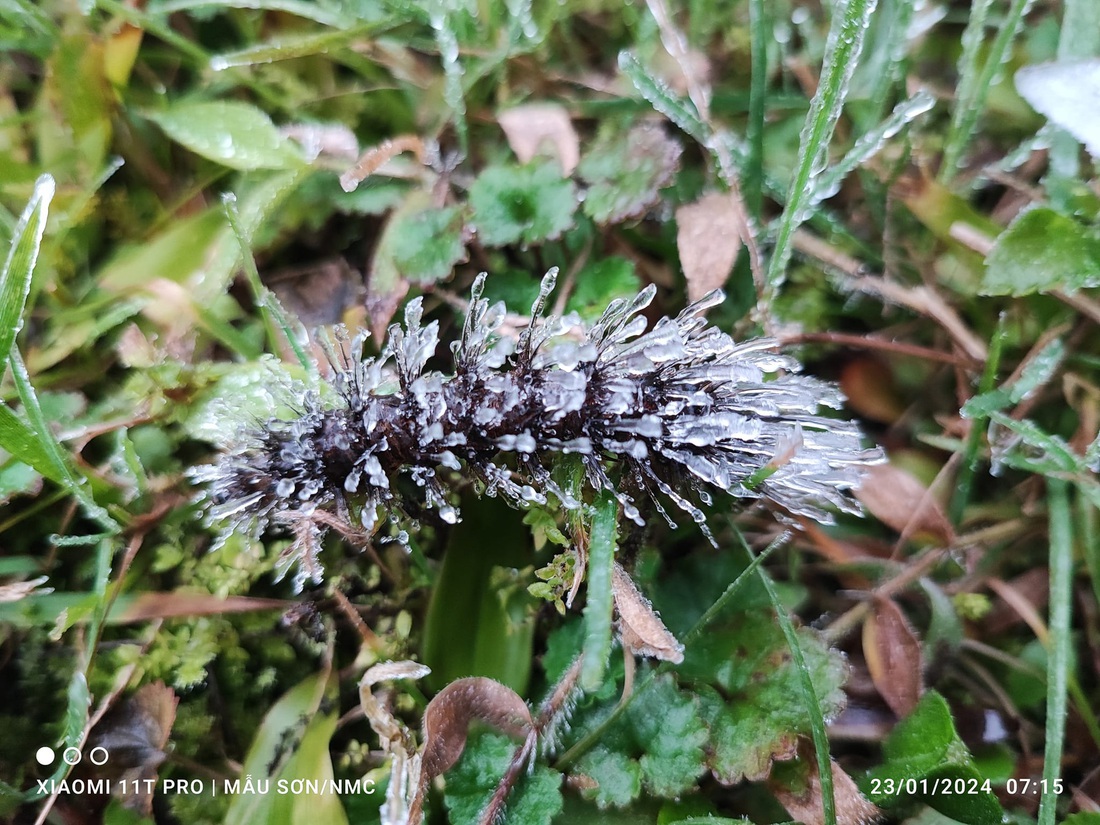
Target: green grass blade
column 1058, row 652
column 598, row 607
column 974, row 440
column 974, row 84
column 271, row 311
column 868, row 145
column 752, row 176
column 845, row 43
column 15, row 279
column 813, row 702
column 17, row 438
column 447, row 42
column 48, row 445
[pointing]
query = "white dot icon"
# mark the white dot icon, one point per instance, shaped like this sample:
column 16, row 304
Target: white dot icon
column 44, row 755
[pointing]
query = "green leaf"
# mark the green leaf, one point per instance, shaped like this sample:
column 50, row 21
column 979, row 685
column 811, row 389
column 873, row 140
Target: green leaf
column 599, row 283
column 473, row 627
column 229, row 132
column 625, row 171
column 1042, row 251
column 602, row 539
column 421, row 242
column 618, row 778
column 925, row 746
column 535, row 800
column 666, row 724
column 292, row 743
column 522, row 204
column 15, row 278
column 751, row 662
column 17, row 438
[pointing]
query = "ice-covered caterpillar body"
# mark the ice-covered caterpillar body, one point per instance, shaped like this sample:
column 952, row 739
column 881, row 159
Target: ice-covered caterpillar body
column 673, row 413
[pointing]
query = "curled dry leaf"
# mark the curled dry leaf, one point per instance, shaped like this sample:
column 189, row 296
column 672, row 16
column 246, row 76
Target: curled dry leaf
column 893, row 654
column 532, row 127
column 642, row 631
column 447, row 721
column 376, row 157
column 403, row 792
column 900, row 501
column 708, row 242
column 804, row 803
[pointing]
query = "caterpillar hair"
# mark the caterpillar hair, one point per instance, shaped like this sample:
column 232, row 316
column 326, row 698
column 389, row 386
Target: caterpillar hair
column 672, row 413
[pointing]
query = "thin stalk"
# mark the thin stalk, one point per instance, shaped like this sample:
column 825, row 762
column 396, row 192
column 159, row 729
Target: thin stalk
column 1058, row 651
column 977, row 427
column 841, row 56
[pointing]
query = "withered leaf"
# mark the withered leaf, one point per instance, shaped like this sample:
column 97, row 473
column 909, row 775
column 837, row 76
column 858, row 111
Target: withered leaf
column 389, row 730
column 532, row 127
column 449, row 714
column 900, row 501
column 893, row 654
column 135, row 734
column 708, row 242
column 803, row 799
column 642, row 631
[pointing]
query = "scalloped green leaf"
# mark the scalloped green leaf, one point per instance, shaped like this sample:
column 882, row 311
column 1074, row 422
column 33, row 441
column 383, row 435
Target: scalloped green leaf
column 766, row 714
column 666, row 725
column 626, row 171
column 522, row 204
column 1042, row 251
column 535, row 800
column 617, row 778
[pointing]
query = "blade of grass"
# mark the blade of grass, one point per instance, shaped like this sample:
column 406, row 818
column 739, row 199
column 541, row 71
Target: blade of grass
column 845, row 43
column 869, row 144
column 48, row 445
column 79, row 697
column 752, row 173
column 323, row 13
column 271, row 311
column 15, row 278
column 974, row 83
column 977, row 424
column 447, row 43
column 886, row 66
column 813, row 703
column 598, row 607
column 1058, row 652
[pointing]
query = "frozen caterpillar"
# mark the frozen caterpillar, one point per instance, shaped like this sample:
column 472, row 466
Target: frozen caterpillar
column 679, row 410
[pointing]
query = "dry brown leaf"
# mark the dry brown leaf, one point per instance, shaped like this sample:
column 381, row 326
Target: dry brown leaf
column 532, row 127
column 405, row 791
column 805, row 803
column 893, row 654
column 868, row 384
column 449, row 714
column 135, row 735
column 708, row 242
column 642, row 631
column 899, row 500
column 146, row 606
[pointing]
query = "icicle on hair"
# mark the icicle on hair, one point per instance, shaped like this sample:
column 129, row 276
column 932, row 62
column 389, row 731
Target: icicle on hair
column 680, row 410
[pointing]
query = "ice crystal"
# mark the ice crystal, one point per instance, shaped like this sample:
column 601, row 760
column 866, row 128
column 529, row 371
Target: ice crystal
column 668, row 413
